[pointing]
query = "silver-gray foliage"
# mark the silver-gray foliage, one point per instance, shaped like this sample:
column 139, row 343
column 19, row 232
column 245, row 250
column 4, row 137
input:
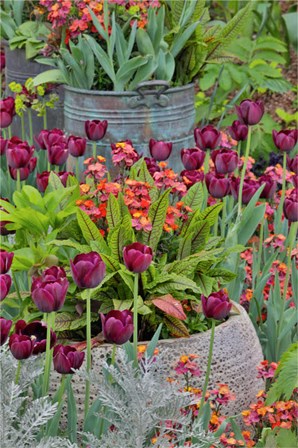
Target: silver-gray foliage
column 139, row 406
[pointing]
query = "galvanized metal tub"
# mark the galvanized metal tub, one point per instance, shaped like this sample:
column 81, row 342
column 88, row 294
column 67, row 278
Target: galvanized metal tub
column 19, row 69
column 152, row 111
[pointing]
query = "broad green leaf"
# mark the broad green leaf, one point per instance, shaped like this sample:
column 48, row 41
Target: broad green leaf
column 205, row 283
column 194, row 197
column 89, row 230
column 113, row 212
column 157, row 215
column 54, row 76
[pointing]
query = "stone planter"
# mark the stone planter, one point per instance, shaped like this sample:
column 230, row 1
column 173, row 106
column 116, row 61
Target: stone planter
column 236, row 354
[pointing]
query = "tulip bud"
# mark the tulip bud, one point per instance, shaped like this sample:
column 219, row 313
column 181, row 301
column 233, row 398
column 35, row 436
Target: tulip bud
column 58, row 153
column 293, row 164
column 67, row 359
column 192, row 158
column 25, row 171
column 270, row 186
column 3, row 145
column 42, row 180
column 152, row 165
column 21, row 346
column 41, row 138
column 53, row 137
column 291, row 206
column 225, row 160
column 18, row 153
column 191, row 177
column 117, row 326
column 207, row 138
column 217, row 305
column 160, row 150
column 285, row 140
column 7, row 111
column 238, row 131
column 5, row 326
column 137, row 257
column 249, row 188
column 250, row 112
column 37, row 332
column 49, row 290
column 96, row 129
column 64, row 175
column 218, row 185
column 5, row 261
column 88, row 270
column 5, row 284
column 76, row 146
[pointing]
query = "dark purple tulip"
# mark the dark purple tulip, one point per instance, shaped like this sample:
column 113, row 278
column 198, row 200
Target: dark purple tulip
column 7, row 111
column 58, row 153
column 250, row 112
column 293, row 164
column 295, row 181
column 192, row 177
column 49, row 290
column 160, row 150
column 225, row 160
column 217, row 185
column 151, row 165
column 117, row 326
column 96, row 129
column 5, row 284
column 238, row 131
column 25, row 171
column 41, row 138
column 18, row 153
column 250, row 186
column 37, row 331
column 285, row 140
column 3, row 145
column 3, row 230
column 53, row 137
column 42, row 180
column 270, row 186
column 64, row 175
column 76, row 146
column 137, row 257
column 5, row 261
column 291, row 206
column 207, row 138
column 192, row 158
column 2, row 61
column 21, row 346
column 217, row 305
column 5, row 326
column 67, row 359
column 88, row 270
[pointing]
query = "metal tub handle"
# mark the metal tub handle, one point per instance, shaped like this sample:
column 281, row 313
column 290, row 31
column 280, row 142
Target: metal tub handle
column 149, row 95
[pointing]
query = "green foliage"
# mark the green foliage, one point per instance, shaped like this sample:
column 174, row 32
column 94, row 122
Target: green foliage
column 31, row 36
column 11, row 15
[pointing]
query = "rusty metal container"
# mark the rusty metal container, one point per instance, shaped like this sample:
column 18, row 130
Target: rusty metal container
column 19, row 69
column 153, row 110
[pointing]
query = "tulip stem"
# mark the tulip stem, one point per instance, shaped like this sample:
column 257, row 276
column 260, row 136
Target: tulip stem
column 77, row 169
column 135, row 318
column 208, row 368
column 94, row 150
column 16, row 286
column 9, row 132
column 30, row 126
column 223, row 217
column 291, row 241
column 45, row 119
column 18, row 372
column 61, row 390
column 283, row 192
column 243, row 171
column 206, row 162
column 18, row 180
column 49, row 317
column 88, row 339
column 23, row 126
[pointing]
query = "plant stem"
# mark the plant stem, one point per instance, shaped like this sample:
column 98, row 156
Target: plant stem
column 18, row 372
column 61, row 390
column 283, row 191
column 94, row 150
column 9, row 132
column 239, row 156
column 260, row 251
column 18, row 180
column 291, row 240
column 77, row 169
column 49, row 317
column 30, row 126
column 16, row 286
column 215, row 227
column 45, row 124
column 243, row 171
column 23, row 127
column 208, row 368
column 223, row 217
column 135, row 319
column 88, row 339
column 206, row 162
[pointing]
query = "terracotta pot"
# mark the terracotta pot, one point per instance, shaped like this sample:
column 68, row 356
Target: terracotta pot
column 236, row 354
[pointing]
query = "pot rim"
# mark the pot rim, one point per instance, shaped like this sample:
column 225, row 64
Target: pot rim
column 124, row 93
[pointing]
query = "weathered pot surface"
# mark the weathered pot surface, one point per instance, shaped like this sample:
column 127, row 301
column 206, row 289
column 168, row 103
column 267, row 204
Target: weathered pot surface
column 236, row 354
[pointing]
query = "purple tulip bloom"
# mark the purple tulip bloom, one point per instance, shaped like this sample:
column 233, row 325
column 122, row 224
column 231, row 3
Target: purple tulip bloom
column 88, row 270
column 192, row 177
column 25, row 171
column 160, row 150
column 238, row 131
column 137, row 257
column 21, row 346
column 293, row 164
column 76, row 146
column 192, row 158
column 250, row 187
column 49, row 291
column 218, row 185
column 285, row 140
column 96, row 129
column 152, row 165
column 225, row 160
column 250, row 112
column 51, row 138
column 58, row 153
column 18, row 153
column 5, row 284
column 37, row 331
column 42, row 180
column 41, row 138
column 270, row 186
column 217, row 305
column 3, row 145
column 5, row 326
column 207, row 138
column 5, row 261
column 7, row 111
column 117, row 326
column 67, row 359
column 291, row 206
